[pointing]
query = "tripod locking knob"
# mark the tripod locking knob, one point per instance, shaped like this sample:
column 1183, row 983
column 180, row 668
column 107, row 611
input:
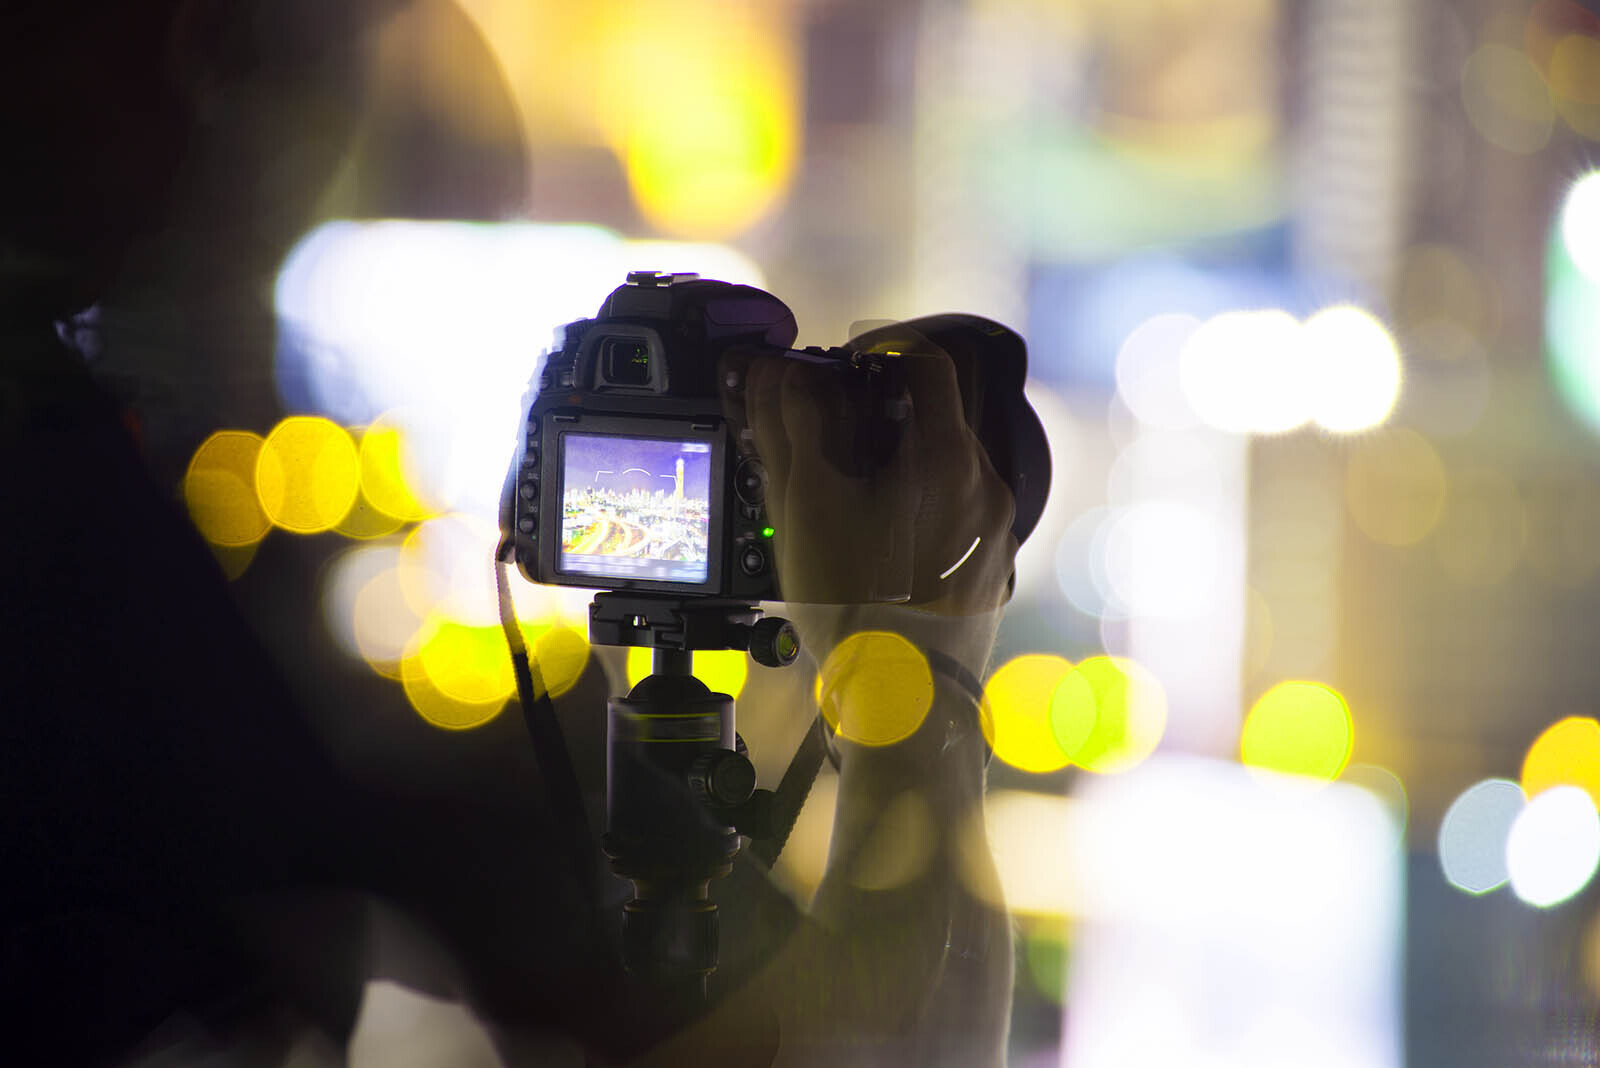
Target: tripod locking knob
column 774, row 642
column 723, row 778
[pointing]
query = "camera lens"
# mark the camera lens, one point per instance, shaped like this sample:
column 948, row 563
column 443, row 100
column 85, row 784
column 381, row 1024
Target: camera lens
column 626, row 361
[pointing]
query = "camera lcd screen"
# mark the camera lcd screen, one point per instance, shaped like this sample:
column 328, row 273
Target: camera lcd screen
column 635, row 508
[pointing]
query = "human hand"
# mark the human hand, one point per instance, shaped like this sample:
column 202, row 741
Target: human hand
column 927, row 525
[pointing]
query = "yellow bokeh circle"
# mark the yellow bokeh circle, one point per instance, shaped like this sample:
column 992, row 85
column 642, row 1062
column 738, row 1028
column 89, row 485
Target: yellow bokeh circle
column 308, row 474
column 559, row 655
column 1567, row 753
column 722, row 670
column 1299, row 728
column 707, row 127
column 1128, row 710
column 459, row 676
column 876, row 688
column 388, row 478
column 431, row 647
column 383, row 623
column 1016, row 715
column 1395, row 486
column 219, row 489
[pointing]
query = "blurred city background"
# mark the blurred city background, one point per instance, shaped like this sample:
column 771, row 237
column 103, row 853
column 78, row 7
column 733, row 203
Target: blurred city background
column 1293, row 709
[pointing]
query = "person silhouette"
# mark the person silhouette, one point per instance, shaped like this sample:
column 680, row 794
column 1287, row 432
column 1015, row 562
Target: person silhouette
column 195, row 868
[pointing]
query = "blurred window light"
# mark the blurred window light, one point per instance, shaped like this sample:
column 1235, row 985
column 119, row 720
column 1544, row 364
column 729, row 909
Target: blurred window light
column 1355, row 369
column 1483, row 530
column 1016, row 713
column 1147, row 371
column 1162, row 559
column 219, row 489
column 1506, row 99
column 1566, row 753
column 877, row 688
column 1127, row 714
column 1580, row 225
column 1189, row 880
column 1246, row 372
column 722, row 670
column 441, row 325
column 1394, row 486
column 307, row 474
column 1554, row 846
column 1299, row 728
column 1473, row 834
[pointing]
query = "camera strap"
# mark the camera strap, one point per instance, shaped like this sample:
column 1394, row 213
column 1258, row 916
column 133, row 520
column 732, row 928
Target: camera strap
column 549, row 745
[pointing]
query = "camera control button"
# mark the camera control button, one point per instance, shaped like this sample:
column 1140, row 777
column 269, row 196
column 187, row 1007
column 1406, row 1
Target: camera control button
column 752, row 561
column 528, row 490
column 526, row 524
column 750, row 482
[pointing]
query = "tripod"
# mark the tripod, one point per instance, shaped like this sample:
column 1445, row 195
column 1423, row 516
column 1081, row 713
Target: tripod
column 680, row 788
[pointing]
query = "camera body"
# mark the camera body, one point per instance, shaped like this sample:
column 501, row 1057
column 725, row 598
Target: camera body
column 628, row 476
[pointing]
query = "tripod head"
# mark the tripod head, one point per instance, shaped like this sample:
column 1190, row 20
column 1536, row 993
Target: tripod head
column 680, row 789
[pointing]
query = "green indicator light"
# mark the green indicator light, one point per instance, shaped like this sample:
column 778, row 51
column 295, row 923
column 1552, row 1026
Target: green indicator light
column 767, row 532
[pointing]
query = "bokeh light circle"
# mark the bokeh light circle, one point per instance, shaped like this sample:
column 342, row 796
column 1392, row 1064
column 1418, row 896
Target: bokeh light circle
column 1580, row 225
column 1355, row 369
column 1126, row 711
column 307, row 474
column 559, row 653
column 1506, row 99
column 1299, row 728
column 441, row 707
column 876, row 688
column 1395, row 486
column 458, row 676
column 1147, row 371
column 1016, row 714
column 1473, row 834
column 1567, row 753
column 389, row 476
column 1246, row 371
column 219, row 489
column 1554, row 846
column 722, row 670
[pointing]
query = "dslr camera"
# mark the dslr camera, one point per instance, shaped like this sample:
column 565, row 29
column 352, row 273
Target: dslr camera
column 628, row 476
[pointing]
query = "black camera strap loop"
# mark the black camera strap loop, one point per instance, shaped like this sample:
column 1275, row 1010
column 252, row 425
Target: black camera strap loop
column 564, row 794
column 793, row 789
